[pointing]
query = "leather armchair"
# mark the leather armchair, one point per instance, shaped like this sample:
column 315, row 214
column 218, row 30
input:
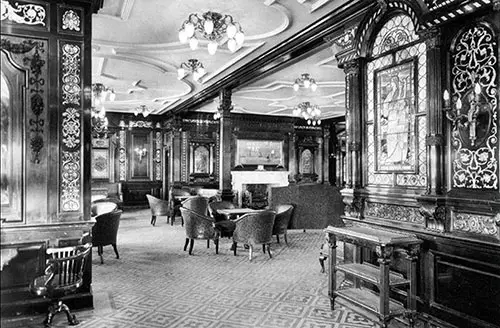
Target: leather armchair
column 100, row 208
column 283, row 215
column 198, row 227
column 254, row 228
column 105, row 231
column 175, row 204
column 159, row 207
column 198, row 204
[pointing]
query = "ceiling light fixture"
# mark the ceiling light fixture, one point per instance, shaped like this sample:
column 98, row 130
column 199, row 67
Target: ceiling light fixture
column 142, row 109
column 100, row 93
column 192, row 65
column 305, row 81
column 213, row 27
column 310, row 113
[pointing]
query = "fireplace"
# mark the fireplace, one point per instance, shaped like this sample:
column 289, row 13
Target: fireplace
column 255, row 195
column 264, row 179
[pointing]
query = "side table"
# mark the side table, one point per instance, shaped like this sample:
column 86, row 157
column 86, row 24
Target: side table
column 385, row 243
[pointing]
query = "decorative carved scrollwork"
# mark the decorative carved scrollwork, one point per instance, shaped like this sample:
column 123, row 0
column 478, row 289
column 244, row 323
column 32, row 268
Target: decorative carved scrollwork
column 354, row 206
column 36, row 83
column 225, row 101
column 29, row 14
column 384, row 254
column 393, row 212
column 435, row 217
column 475, row 223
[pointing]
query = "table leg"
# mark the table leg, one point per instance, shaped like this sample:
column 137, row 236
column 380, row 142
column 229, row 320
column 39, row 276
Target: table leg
column 332, row 274
column 384, row 254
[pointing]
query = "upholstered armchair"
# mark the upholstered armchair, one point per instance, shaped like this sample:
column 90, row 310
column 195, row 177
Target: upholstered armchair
column 175, row 202
column 213, row 207
column 63, row 275
column 105, row 231
column 283, row 215
column 198, row 227
column 159, row 207
column 254, row 228
column 198, row 204
column 102, row 207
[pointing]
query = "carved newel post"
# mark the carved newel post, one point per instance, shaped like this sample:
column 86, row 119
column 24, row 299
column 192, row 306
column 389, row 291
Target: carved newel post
column 224, row 109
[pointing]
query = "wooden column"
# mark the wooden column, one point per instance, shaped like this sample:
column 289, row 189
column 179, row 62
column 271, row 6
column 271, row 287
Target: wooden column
column 292, row 154
column 225, row 108
column 354, row 122
column 176, row 152
column 326, row 154
column 434, row 139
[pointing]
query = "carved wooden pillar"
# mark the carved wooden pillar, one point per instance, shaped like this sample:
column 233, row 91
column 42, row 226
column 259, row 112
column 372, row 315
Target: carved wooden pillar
column 225, row 108
column 292, row 154
column 318, row 163
column 434, row 139
column 326, row 155
column 176, row 152
column 354, row 122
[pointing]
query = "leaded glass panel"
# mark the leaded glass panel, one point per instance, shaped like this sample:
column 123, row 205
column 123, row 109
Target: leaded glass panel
column 397, row 32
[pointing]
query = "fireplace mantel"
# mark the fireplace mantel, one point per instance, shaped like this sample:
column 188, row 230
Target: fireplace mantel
column 272, row 178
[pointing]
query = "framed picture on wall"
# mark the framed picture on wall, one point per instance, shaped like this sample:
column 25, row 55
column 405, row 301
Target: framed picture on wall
column 100, row 164
column 259, row 152
column 395, row 141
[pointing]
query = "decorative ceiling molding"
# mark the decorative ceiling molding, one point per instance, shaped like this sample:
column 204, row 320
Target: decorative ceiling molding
column 156, row 64
column 233, row 61
column 287, row 20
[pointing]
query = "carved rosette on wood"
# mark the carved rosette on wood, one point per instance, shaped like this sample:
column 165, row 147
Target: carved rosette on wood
column 71, row 93
column 485, row 225
column 353, row 205
column 122, row 154
column 158, row 155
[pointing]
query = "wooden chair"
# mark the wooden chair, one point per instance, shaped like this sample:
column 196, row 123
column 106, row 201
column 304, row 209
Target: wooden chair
column 105, row 231
column 283, row 215
column 199, row 227
column 63, row 275
column 159, row 207
column 254, row 228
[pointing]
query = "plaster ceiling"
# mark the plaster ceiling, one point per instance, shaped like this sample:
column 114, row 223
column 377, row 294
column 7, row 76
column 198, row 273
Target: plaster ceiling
column 136, row 52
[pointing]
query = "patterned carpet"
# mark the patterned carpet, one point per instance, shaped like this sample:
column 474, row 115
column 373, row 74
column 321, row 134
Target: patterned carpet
column 156, row 284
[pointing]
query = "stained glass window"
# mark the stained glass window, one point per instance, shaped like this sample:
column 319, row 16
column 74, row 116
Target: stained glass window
column 396, row 106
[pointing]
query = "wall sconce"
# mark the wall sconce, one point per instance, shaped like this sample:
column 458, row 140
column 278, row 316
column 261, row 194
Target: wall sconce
column 141, row 152
column 461, row 116
column 193, row 66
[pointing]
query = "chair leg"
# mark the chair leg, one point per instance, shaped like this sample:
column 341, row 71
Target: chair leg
column 235, row 245
column 278, row 238
column 153, row 220
column 208, row 243
column 191, row 244
column 71, row 317
column 172, row 219
column 216, row 241
column 286, row 241
column 99, row 251
column 269, row 250
column 186, row 244
column 250, row 251
column 264, row 248
column 116, row 251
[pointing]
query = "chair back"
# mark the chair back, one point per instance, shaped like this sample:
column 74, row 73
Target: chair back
column 198, row 204
column 100, row 208
column 105, row 230
column 255, row 227
column 197, row 226
column 213, row 207
column 283, row 215
column 63, row 271
column 158, row 206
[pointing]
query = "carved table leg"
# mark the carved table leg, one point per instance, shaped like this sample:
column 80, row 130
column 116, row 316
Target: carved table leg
column 412, row 256
column 384, row 254
column 332, row 261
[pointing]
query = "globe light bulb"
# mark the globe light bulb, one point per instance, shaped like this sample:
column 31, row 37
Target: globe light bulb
column 309, row 122
column 231, row 31
column 313, row 122
column 296, row 86
column 314, row 86
column 459, row 104
column 189, row 29
column 183, row 38
column 231, row 44
column 477, row 88
column 193, row 43
column 240, row 38
column 212, row 47
column 208, row 25
column 307, row 84
column 112, row 96
column 319, row 122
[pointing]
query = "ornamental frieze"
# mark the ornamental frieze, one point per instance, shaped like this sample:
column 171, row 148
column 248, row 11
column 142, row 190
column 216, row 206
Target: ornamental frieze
column 393, row 212
column 475, row 223
column 28, row 14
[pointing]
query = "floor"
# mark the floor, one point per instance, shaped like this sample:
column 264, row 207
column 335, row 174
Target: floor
column 156, row 284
